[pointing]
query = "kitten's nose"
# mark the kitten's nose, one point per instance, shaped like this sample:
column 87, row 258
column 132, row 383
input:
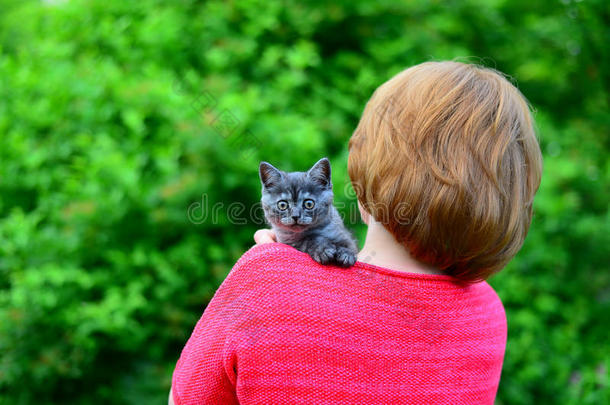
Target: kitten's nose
column 295, row 214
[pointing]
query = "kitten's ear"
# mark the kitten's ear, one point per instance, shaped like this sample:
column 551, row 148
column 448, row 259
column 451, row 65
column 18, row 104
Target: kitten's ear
column 320, row 172
column 269, row 175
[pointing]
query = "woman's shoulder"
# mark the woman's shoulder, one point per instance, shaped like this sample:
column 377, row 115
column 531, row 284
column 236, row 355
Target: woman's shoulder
column 275, row 264
column 490, row 295
column 268, row 251
column 271, row 255
column 270, row 262
column 485, row 297
column 262, row 273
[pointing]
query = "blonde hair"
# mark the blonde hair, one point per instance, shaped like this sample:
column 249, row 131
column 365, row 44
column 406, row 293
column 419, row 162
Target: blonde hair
column 445, row 156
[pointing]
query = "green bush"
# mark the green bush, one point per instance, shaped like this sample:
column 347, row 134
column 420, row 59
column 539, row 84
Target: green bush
column 120, row 121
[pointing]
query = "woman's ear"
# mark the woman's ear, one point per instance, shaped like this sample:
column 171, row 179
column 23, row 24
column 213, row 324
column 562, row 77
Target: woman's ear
column 366, row 217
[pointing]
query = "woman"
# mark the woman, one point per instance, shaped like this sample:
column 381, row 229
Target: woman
column 445, row 164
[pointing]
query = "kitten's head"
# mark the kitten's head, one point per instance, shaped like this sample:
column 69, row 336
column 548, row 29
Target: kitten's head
column 296, row 200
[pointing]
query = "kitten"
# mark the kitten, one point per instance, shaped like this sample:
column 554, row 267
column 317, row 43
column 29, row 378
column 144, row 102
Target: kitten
column 299, row 207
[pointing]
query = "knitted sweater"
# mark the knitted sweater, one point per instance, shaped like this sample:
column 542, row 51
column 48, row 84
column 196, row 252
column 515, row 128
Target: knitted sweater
column 283, row 329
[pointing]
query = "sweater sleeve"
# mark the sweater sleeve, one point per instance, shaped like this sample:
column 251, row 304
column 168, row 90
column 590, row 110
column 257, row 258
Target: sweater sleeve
column 206, row 371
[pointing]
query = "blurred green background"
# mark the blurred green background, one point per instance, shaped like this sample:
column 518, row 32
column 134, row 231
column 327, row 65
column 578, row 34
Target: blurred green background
column 121, row 121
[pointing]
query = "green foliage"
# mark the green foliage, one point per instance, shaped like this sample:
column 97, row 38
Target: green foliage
column 117, row 118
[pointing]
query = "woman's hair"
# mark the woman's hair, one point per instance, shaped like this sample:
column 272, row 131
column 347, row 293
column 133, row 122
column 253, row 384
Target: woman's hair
column 445, row 156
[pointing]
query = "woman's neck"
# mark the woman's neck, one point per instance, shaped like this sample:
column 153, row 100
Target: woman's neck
column 381, row 249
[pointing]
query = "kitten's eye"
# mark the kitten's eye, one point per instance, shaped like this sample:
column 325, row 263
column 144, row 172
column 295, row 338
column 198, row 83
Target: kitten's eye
column 309, row 204
column 282, row 205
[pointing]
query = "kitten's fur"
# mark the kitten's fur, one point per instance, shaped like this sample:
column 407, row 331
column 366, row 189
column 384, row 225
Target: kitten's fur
column 317, row 231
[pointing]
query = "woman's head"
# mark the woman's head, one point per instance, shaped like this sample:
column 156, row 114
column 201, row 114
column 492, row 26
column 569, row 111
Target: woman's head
column 446, row 158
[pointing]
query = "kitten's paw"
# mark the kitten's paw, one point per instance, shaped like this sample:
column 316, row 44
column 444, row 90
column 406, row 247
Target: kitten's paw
column 345, row 257
column 324, row 254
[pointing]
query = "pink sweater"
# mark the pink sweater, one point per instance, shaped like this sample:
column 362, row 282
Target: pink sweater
column 283, row 329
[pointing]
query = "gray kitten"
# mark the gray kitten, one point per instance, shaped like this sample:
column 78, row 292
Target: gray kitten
column 299, row 207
